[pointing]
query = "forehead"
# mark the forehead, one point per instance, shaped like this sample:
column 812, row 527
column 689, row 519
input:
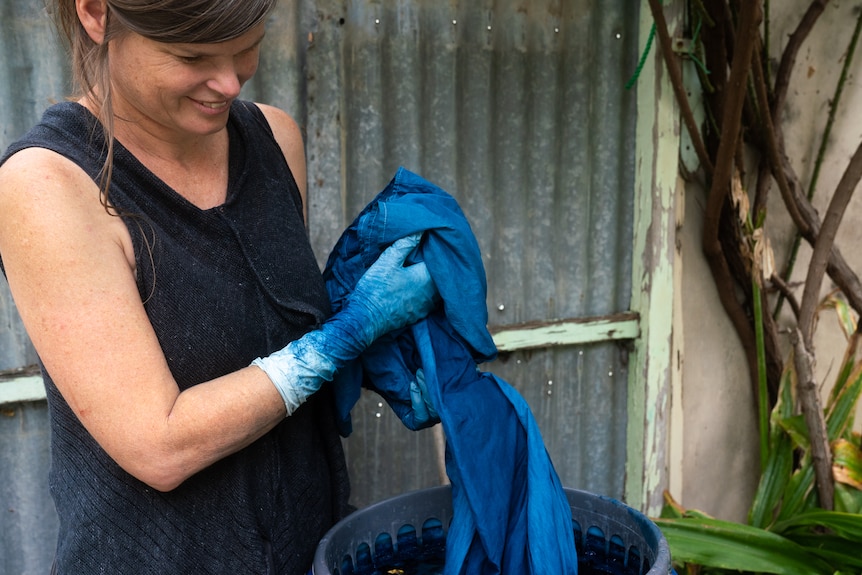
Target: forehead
column 248, row 40
column 189, row 21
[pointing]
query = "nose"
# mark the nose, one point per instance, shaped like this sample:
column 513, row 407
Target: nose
column 226, row 81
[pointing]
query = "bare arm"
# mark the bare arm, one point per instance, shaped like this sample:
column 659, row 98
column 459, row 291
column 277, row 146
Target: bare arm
column 70, row 268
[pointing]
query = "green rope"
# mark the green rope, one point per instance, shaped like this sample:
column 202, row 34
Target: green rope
column 642, row 61
column 695, row 41
column 691, row 53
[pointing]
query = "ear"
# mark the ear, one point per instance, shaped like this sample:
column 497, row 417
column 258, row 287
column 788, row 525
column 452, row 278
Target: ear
column 93, row 15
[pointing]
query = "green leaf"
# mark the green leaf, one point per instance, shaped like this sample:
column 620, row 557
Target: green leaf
column 673, row 510
column 845, row 314
column 779, row 467
column 727, row 545
column 796, row 428
column 838, row 552
column 848, row 365
column 846, row 525
column 786, row 392
column 847, row 463
column 799, row 494
column 840, row 412
column 773, row 480
column 848, row 499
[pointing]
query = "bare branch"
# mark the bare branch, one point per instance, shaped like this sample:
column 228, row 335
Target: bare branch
column 838, row 269
column 733, row 100
column 749, row 18
column 809, row 399
column 774, row 150
column 788, row 58
column 784, row 289
column 824, row 244
column 677, row 83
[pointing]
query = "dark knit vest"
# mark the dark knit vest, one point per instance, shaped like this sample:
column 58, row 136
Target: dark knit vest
column 221, row 287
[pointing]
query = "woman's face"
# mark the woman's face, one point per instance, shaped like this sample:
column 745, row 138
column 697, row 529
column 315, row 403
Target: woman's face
column 180, row 90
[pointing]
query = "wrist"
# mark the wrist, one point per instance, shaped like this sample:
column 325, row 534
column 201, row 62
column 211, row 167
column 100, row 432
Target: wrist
column 345, row 335
column 298, row 370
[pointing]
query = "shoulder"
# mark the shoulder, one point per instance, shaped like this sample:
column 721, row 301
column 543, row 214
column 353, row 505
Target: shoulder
column 33, row 171
column 280, row 121
column 49, row 199
column 67, row 135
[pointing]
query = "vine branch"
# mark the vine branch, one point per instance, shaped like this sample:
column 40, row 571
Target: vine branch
column 666, row 45
column 741, row 110
column 788, row 57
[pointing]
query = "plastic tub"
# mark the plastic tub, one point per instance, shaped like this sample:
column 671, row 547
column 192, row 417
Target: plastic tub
column 610, row 536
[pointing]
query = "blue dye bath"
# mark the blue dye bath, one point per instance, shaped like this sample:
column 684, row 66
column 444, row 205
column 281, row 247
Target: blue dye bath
column 610, row 537
column 407, row 555
column 410, row 555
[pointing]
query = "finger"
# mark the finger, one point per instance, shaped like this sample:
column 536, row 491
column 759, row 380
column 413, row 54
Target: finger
column 423, row 388
column 420, row 409
column 417, row 274
column 408, row 242
column 401, row 248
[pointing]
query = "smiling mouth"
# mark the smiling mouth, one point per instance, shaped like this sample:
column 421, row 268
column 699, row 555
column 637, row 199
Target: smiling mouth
column 212, row 105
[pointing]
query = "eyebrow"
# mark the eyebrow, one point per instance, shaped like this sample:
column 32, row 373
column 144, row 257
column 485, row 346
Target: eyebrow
column 195, row 49
column 258, row 41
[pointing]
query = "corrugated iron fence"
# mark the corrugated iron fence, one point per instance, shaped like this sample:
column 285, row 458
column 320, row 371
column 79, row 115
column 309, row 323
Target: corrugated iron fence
column 516, row 107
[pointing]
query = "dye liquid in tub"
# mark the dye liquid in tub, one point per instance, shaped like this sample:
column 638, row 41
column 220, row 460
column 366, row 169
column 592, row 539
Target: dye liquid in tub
column 410, row 556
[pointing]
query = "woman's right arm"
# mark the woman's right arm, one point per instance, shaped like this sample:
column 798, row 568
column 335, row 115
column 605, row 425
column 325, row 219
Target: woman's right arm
column 71, row 271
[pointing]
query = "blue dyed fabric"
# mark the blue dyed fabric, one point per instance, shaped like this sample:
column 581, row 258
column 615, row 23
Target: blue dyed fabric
column 510, row 512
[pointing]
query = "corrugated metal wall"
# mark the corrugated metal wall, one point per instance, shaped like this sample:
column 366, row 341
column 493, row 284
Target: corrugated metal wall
column 517, row 108
column 32, row 74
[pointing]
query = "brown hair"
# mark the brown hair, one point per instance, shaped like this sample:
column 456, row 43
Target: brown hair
column 168, row 21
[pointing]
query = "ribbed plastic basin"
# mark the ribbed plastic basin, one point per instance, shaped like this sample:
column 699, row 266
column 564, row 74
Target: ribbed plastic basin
column 611, row 537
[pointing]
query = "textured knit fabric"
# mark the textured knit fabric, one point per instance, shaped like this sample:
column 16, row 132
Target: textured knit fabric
column 221, row 287
column 510, row 512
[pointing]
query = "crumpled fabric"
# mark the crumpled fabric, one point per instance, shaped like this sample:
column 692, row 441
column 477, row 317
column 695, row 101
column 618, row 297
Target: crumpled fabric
column 510, row 514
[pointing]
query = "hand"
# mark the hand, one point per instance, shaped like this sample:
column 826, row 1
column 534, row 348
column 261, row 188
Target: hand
column 387, row 297
column 424, row 414
column 390, row 295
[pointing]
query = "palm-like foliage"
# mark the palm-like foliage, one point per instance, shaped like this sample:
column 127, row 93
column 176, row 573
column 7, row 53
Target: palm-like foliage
column 788, row 532
column 806, row 517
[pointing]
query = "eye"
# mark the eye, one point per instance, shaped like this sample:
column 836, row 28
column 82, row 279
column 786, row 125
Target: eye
column 189, row 59
column 253, row 51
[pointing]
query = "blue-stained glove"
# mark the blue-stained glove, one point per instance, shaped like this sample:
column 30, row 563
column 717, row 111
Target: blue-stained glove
column 387, row 297
column 424, row 413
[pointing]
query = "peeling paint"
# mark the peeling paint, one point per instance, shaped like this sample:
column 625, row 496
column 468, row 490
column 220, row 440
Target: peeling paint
column 575, row 331
column 22, row 389
column 653, row 285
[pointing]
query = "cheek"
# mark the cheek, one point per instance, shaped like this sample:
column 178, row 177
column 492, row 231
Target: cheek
column 125, row 78
column 246, row 68
column 132, row 75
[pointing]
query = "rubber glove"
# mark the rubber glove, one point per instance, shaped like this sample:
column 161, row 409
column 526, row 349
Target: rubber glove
column 424, row 414
column 388, row 296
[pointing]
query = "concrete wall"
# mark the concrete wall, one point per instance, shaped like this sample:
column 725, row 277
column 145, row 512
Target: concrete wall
column 717, row 426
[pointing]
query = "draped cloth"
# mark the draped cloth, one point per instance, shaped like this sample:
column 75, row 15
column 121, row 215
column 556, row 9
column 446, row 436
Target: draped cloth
column 510, row 514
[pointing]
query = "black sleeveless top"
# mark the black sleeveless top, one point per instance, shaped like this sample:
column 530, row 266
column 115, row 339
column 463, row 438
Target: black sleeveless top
column 221, row 287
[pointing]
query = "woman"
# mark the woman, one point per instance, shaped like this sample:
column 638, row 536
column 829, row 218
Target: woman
column 152, row 234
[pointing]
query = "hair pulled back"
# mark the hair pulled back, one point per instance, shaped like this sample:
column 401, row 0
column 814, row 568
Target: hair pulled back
column 167, row 21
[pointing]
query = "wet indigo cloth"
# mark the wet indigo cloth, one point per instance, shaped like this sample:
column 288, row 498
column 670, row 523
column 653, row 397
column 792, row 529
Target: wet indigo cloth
column 510, row 512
